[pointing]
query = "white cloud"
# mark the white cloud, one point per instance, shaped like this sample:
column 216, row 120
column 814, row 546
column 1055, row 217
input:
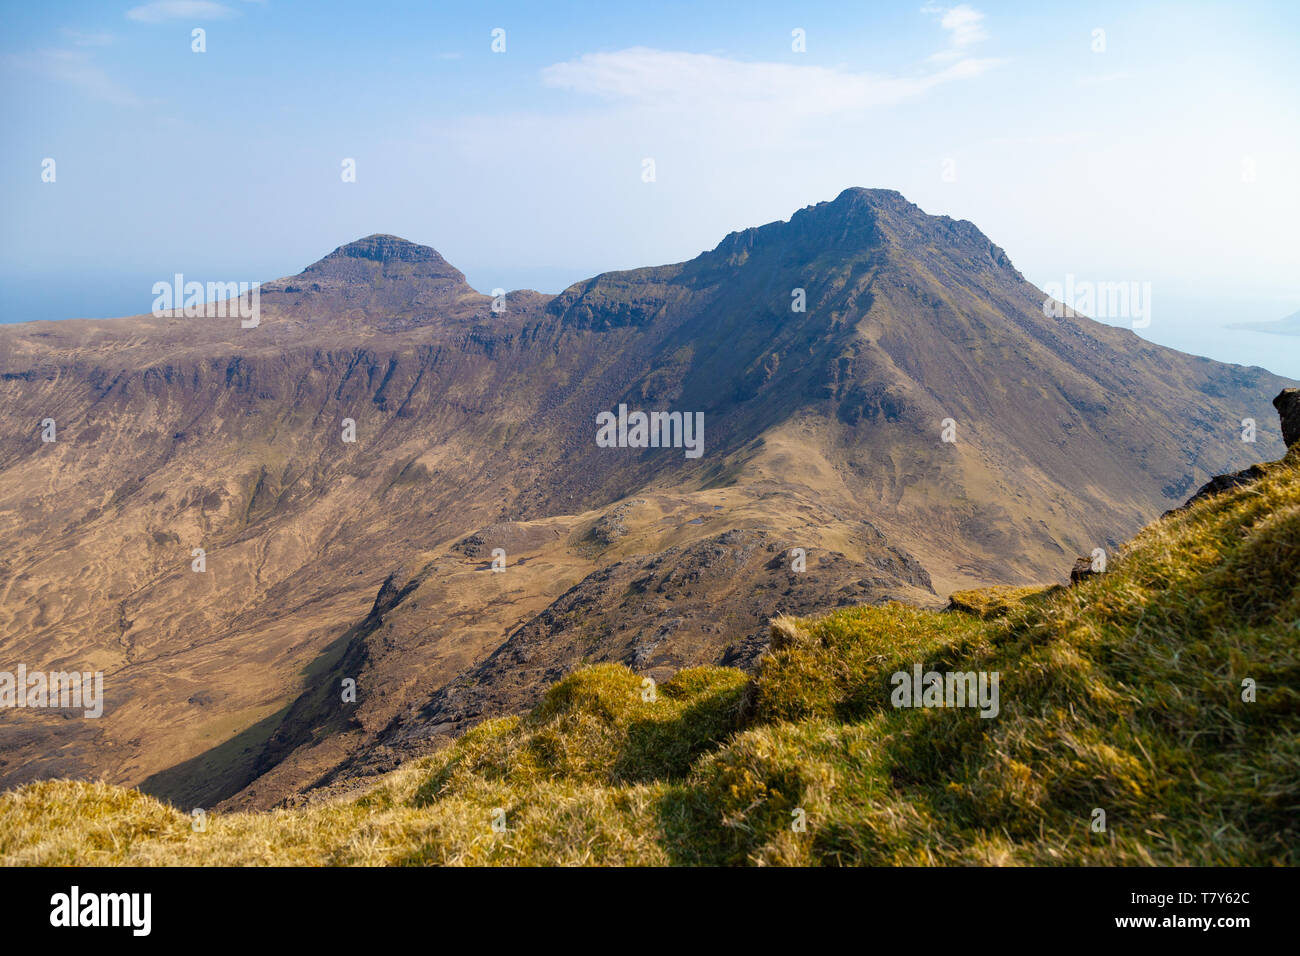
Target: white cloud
column 678, row 80
column 964, row 26
column 700, row 82
column 75, row 68
column 161, row 10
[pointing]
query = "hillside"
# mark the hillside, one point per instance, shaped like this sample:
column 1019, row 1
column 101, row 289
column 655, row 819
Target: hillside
column 370, row 561
column 1123, row 693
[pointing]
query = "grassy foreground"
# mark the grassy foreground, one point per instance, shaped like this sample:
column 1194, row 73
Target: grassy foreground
column 1123, row 694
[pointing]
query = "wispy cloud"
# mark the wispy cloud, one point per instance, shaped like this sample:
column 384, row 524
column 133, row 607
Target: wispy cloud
column 74, row 68
column 77, row 38
column 699, row 81
column 676, row 80
column 162, row 10
column 964, row 26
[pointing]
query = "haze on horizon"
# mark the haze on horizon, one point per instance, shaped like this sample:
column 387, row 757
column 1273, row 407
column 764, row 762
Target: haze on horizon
column 1097, row 155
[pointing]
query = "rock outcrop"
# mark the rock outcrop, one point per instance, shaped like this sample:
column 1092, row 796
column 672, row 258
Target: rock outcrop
column 1288, row 408
column 1082, row 570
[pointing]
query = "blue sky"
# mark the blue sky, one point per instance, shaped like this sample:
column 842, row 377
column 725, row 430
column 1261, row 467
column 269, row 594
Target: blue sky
column 1171, row 156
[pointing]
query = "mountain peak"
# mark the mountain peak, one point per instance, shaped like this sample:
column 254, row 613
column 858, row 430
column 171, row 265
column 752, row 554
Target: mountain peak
column 386, row 276
column 381, row 247
column 859, row 220
column 880, row 197
column 416, row 270
column 859, row 206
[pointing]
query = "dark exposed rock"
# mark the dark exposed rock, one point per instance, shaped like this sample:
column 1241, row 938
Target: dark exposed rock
column 1221, row 483
column 610, row 526
column 472, row 547
column 1287, row 404
column 385, row 248
column 389, row 596
column 1082, row 570
column 511, row 536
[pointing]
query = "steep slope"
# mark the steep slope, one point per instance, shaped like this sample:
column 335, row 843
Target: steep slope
column 822, row 432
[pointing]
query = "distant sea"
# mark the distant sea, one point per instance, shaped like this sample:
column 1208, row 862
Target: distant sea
column 1275, row 352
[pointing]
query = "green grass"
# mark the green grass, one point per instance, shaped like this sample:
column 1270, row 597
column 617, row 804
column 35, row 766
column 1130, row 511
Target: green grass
column 1123, row 694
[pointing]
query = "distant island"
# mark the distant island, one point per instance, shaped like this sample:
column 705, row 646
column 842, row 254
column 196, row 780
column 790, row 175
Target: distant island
column 1288, row 326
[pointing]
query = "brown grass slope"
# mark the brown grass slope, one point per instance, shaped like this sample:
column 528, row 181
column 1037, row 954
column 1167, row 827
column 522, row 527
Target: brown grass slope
column 1123, row 694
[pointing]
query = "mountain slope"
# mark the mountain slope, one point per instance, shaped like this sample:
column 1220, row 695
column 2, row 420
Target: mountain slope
column 1161, row 693
column 475, row 430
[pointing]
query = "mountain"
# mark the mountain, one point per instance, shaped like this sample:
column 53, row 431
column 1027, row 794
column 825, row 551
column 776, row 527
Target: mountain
column 1100, row 696
column 371, row 561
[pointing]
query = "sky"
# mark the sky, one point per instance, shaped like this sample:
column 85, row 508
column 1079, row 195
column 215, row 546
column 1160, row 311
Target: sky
column 1107, row 142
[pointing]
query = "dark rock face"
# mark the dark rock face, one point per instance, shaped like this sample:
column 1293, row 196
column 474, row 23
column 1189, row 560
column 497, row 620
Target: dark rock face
column 1288, row 409
column 389, row 596
column 383, row 248
column 1082, row 570
column 610, row 527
